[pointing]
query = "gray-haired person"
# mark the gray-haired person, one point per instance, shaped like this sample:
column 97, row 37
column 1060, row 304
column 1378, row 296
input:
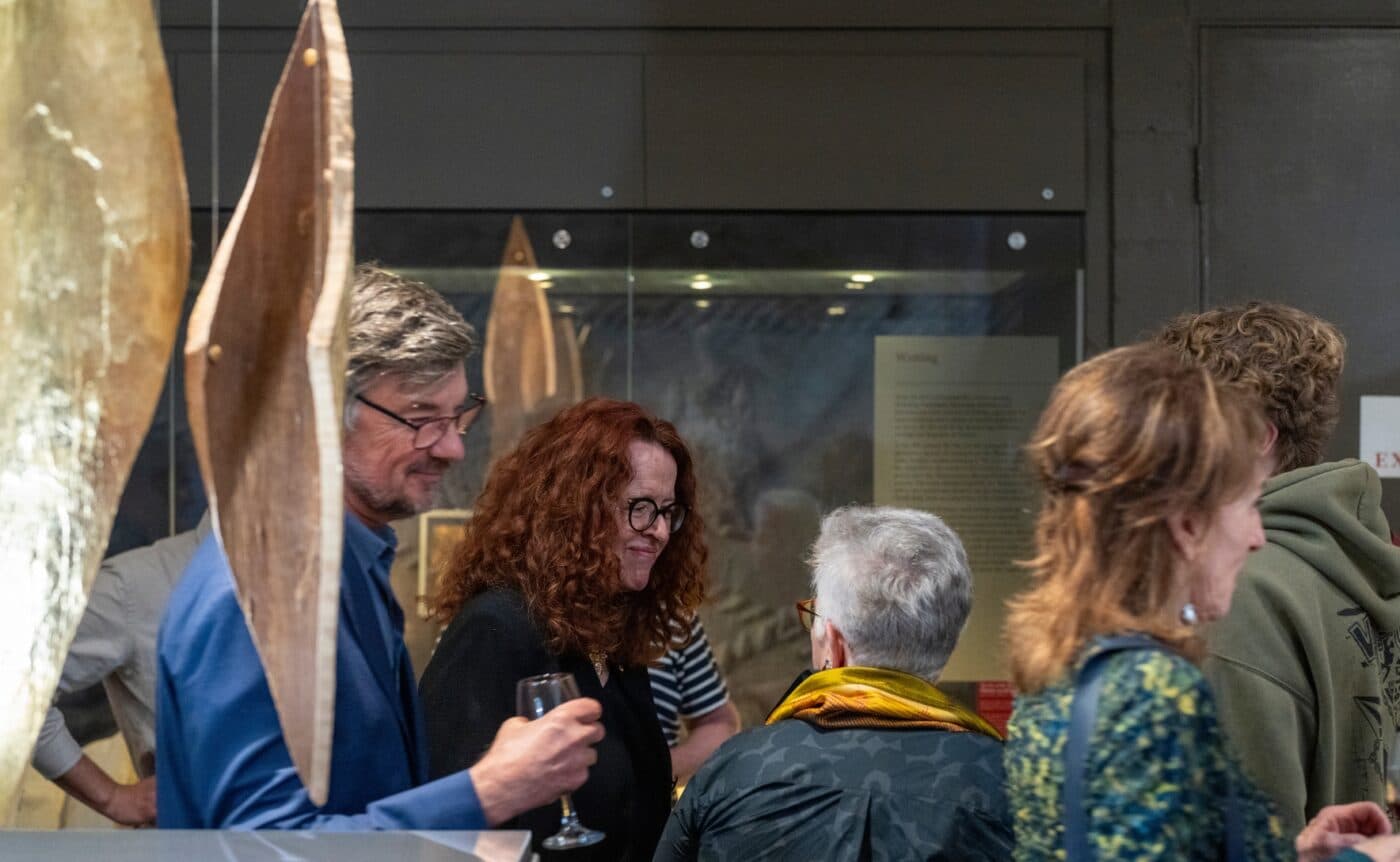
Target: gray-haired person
column 865, row 758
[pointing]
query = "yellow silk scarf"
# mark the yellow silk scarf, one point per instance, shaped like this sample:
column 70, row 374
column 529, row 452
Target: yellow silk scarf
column 876, row 698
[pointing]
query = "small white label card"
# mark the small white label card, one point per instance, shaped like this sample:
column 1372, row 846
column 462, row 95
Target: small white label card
column 1380, row 433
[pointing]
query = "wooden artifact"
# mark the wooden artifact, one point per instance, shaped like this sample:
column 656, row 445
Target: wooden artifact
column 569, row 360
column 518, row 363
column 265, row 362
column 94, row 260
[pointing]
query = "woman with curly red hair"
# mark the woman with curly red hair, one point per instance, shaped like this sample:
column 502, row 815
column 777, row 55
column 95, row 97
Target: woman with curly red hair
column 584, row 554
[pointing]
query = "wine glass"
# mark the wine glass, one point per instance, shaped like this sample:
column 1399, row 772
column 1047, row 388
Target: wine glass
column 534, row 696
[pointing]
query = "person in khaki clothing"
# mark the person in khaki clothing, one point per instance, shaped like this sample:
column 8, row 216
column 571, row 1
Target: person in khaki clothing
column 1306, row 666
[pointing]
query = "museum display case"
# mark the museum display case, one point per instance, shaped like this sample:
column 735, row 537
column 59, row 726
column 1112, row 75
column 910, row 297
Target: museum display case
column 768, row 338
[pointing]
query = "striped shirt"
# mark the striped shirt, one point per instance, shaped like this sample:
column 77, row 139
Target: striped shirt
column 685, row 684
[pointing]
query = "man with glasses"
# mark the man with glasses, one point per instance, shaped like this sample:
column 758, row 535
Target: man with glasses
column 221, row 759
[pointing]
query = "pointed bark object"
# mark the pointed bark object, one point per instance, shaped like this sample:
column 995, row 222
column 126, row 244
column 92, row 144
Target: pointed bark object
column 518, row 363
column 94, row 263
column 569, row 360
column 265, row 362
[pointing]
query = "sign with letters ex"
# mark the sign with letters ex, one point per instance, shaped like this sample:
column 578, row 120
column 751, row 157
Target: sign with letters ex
column 1380, row 434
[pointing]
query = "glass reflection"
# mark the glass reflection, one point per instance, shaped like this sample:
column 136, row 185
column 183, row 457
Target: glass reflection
column 768, row 371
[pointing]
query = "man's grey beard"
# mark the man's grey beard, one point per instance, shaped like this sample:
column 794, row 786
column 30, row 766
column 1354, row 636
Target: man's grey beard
column 390, row 506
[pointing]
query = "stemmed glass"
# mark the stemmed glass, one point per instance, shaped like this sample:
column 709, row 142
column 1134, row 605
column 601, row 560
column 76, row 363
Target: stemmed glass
column 534, row 696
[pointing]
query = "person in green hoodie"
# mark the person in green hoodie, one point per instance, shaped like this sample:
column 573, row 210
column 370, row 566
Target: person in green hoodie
column 1306, row 665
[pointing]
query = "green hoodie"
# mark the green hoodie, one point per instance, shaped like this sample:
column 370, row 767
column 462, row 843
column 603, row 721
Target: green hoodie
column 1306, row 666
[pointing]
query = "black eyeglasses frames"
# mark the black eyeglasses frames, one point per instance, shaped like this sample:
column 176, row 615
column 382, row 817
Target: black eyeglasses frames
column 642, row 512
column 427, row 432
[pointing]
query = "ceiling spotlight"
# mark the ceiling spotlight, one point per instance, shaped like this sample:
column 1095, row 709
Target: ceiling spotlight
column 702, row 303
column 854, row 285
column 545, row 284
column 701, row 284
column 565, row 309
column 538, row 276
column 836, row 310
column 862, row 278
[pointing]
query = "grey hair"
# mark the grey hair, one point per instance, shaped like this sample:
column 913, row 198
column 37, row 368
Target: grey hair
column 402, row 327
column 896, row 583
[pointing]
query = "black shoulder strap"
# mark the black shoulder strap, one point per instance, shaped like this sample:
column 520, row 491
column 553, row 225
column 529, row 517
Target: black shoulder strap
column 1083, row 711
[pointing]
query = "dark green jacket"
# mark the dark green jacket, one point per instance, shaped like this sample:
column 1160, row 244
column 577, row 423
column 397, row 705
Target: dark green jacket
column 1305, row 667
column 793, row 791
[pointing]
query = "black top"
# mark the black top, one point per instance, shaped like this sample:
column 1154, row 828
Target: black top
column 468, row 689
column 791, row 791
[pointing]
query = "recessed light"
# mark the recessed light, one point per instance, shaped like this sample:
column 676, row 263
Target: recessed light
column 836, row 310
column 702, row 303
column 854, row 285
column 538, row 276
column 565, row 309
column 700, row 284
column 545, row 284
column 862, row 277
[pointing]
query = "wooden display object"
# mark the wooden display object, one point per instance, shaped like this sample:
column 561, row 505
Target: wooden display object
column 568, row 360
column 94, row 263
column 518, row 364
column 265, row 361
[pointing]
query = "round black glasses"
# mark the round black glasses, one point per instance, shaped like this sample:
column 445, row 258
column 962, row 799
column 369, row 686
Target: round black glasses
column 642, row 512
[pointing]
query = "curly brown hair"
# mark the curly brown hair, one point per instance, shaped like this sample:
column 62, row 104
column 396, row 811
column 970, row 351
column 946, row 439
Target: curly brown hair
column 1290, row 359
column 1129, row 438
column 544, row 526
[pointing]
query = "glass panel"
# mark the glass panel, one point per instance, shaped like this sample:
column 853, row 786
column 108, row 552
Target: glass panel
column 757, row 334
column 578, row 276
column 749, row 330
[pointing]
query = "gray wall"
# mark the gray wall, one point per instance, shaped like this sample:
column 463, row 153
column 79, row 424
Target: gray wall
column 1256, row 152
column 1165, row 122
column 670, row 106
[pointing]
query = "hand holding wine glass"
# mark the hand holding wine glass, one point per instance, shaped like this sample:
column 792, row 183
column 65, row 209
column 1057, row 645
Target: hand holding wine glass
column 530, row 763
column 535, row 696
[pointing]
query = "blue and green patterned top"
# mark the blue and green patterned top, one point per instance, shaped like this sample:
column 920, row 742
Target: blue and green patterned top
column 1157, row 768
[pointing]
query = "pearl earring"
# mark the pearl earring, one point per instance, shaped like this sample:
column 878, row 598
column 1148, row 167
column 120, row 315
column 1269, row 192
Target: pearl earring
column 1188, row 614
